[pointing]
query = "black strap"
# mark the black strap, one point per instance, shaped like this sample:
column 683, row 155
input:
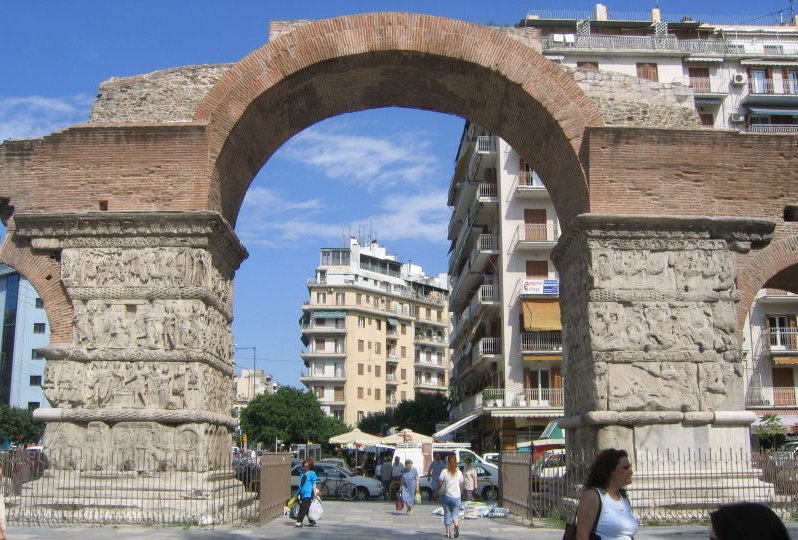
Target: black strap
column 598, row 514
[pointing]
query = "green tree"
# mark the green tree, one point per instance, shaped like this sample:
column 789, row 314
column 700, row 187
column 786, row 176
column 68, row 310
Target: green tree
column 423, row 413
column 290, row 415
column 19, row 426
column 770, row 431
column 378, row 423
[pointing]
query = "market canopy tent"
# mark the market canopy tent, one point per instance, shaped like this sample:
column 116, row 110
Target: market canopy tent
column 406, row 436
column 355, row 437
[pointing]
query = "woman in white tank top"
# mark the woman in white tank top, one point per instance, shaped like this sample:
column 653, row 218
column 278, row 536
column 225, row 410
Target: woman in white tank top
column 603, row 503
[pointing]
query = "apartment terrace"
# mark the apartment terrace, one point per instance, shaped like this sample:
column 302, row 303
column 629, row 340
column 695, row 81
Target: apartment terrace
column 546, row 403
column 768, row 47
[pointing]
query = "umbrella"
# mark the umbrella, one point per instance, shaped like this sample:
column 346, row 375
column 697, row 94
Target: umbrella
column 406, row 436
column 355, row 437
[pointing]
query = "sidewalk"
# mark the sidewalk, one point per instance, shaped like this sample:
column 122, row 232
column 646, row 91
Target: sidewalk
column 355, row 520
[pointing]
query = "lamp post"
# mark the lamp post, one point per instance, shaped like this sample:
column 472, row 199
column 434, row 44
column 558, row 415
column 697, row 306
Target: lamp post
column 254, row 359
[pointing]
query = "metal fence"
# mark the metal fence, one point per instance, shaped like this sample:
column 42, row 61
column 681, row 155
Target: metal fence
column 91, row 489
column 668, row 486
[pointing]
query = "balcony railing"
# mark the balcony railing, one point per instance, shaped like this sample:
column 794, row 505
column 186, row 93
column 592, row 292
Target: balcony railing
column 659, row 43
column 529, row 180
column 709, row 85
column 770, row 396
column 772, row 128
column 783, row 339
column 490, row 345
column 535, row 232
column 773, row 86
column 488, row 190
column 486, row 144
column 529, row 397
column 543, row 340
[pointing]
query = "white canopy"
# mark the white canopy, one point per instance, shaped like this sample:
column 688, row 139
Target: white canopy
column 355, row 437
column 406, row 436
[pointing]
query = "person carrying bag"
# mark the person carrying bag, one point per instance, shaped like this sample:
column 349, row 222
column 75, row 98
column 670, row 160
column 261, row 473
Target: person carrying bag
column 570, row 528
column 307, row 492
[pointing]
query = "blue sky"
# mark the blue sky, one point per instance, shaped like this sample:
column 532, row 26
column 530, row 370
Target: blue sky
column 381, row 173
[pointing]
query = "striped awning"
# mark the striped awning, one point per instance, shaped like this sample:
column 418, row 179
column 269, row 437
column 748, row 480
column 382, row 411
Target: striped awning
column 760, row 62
column 785, row 360
column 454, row 426
column 542, row 357
column 329, row 314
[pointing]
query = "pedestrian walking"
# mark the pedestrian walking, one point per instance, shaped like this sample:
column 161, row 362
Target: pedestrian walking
column 306, row 491
column 604, row 508
column 434, row 472
column 410, row 486
column 745, row 520
column 469, row 480
column 450, row 485
column 387, row 476
column 396, row 476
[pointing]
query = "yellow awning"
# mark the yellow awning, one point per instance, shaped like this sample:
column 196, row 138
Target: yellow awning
column 541, row 357
column 541, row 315
column 785, row 360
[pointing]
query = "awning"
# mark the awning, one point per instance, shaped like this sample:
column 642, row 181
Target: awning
column 773, row 111
column 454, row 426
column 329, row 314
column 393, row 322
column 541, row 315
column 705, row 59
column 525, row 414
column 768, row 62
column 785, row 360
column 541, row 357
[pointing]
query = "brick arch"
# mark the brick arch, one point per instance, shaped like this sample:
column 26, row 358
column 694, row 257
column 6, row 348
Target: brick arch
column 44, row 273
column 776, row 265
column 359, row 62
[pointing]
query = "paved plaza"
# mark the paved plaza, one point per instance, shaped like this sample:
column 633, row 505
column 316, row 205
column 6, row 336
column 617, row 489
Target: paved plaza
column 355, row 520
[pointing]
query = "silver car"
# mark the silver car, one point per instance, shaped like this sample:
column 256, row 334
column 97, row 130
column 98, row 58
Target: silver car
column 331, row 477
column 487, row 482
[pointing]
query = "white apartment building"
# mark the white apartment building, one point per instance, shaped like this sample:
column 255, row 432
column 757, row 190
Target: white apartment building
column 375, row 331
column 506, row 336
column 249, row 384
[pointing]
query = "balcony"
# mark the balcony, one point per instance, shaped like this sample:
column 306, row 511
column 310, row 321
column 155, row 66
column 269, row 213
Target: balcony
column 486, row 144
column 782, row 340
column 769, row 397
column 773, row 128
column 323, row 351
column 536, row 398
column 614, row 43
column 486, row 296
column 535, row 236
column 431, row 363
column 313, row 376
column 781, row 92
column 541, row 341
column 706, row 86
column 529, row 184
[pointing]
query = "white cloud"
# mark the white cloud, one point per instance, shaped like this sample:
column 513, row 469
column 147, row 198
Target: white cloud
column 25, row 117
column 422, row 217
column 373, row 162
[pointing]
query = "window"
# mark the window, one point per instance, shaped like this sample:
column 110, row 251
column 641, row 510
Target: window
column 340, row 299
column 404, row 375
column 403, row 351
column 361, row 322
column 440, row 315
column 377, row 393
column 359, row 299
column 360, row 416
column 377, row 347
column 706, row 119
column 379, row 324
column 588, row 64
column 647, row 70
column 535, row 224
column 321, row 298
column 35, row 380
column 360, row 345
column 782, row 330
column 38, row 328
column 338, row 414
column 699, row 78
column 377, row 371
column 790, row 77
column 36, row 355
column 39, row 303
column 404, row 329
column 359, row 392
column 318, row 391
column 318, row 368
column 537, row 269
column 360, row 369
column 33, row 405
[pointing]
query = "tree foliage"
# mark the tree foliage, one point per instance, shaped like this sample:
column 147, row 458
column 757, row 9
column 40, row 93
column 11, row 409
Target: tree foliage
column 421, row 415
column 19, row 426
column 289, row 415
column 770, row 431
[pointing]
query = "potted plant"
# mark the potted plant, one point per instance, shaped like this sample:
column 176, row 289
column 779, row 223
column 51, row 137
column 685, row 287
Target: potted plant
column 489, row 396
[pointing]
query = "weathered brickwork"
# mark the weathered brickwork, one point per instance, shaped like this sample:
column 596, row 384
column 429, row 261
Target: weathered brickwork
column 170, row 95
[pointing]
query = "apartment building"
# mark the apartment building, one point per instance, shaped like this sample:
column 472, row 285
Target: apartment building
column 375, row 331
column 25, row 330
column 506, row 336
column 249, row 384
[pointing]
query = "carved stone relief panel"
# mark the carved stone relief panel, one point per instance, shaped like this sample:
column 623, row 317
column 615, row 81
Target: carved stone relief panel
column 653, row 386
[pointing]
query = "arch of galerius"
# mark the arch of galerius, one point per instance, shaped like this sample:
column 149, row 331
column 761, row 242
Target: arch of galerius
column 124, row 225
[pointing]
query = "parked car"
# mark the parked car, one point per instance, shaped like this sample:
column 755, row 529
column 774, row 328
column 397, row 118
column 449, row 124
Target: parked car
column 487, row 482
column 491, row 457
column 338, row 462
column 366, row 487
column 549, row 466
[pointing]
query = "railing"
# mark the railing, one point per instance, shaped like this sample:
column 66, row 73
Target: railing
column 529, row 397
column 529, row 180
column 773, row 86
column 783, row 339
column 772, row 128
column 535, row 232
column 712, row 85
column 660, row 43
column 669, row 486
column 488, row 190
column 486, row 144
column 485, row 295
column 769, row 396
column 543, row 340
column 490, row 345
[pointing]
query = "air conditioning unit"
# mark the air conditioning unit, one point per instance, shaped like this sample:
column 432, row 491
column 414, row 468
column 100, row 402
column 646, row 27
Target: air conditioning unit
column 736, row 117
column 739, row 79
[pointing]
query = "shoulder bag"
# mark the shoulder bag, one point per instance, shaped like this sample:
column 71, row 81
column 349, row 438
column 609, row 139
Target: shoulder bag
column 570, row 528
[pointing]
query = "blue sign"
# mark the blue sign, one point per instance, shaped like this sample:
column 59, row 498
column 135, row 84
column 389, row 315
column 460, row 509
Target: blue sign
column 551, row 286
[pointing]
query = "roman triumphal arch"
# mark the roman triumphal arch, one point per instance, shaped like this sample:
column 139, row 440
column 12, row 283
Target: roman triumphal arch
column 125, row 227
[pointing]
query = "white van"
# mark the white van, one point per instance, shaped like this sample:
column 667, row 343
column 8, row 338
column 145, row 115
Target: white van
column 422, row 462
